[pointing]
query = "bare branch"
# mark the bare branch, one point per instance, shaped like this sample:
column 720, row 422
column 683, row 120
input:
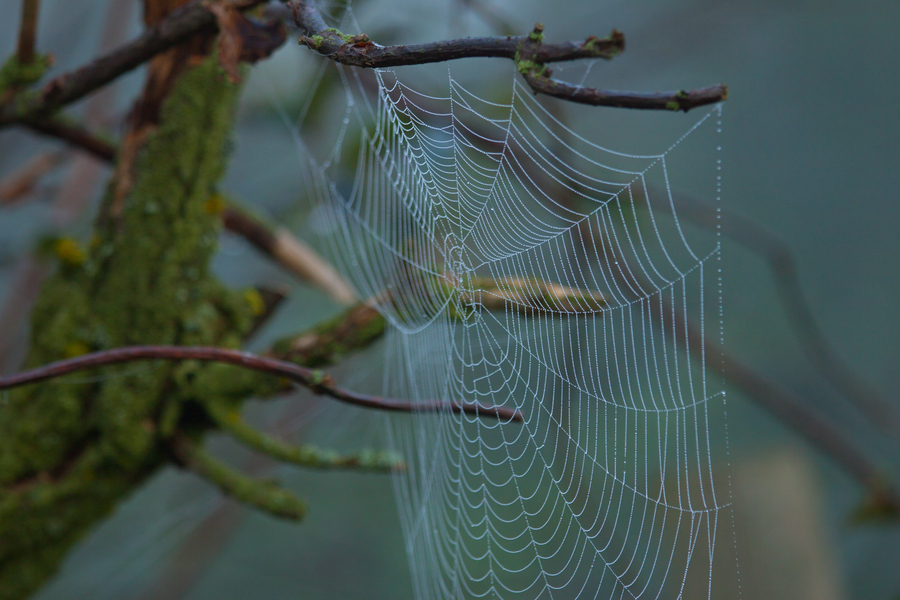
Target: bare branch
column 22, row 182
column 189, row 20
column 878, row 409
column 360, row 51
column 313, row 379
column 530, row 54
column 675, row 101
column 28, row 31
column 290, row 252
column 76, row 136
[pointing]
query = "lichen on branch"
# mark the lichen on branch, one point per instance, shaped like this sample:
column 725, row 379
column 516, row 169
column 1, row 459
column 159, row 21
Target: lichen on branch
column 70, row 452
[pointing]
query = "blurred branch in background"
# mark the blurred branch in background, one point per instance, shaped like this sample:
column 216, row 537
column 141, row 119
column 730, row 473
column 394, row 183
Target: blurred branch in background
column 28, row 31
column 72, row 196
column 315, row 380
column 883, row 500
column 67, row 88
column 874, row 406
column 16, row 187
column 76, row 135
column 288, row 251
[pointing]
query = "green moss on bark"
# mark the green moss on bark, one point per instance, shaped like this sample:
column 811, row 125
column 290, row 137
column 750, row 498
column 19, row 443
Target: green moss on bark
column 70, row 451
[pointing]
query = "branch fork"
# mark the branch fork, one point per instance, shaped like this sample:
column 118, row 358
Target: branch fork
column 530, row 53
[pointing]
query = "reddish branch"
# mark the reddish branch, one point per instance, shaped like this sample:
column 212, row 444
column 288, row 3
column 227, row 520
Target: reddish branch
column 529, row 52
column 310, row 378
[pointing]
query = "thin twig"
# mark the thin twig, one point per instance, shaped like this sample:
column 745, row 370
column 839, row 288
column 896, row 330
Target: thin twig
column 264, row 495
column 676, row 101
column 529, row 52
column 315, row 380
column 183, row 23
column 878, row 409
column 76, row 136
column 785, row 406
column 28, row 31
column 23, row 181
column 290, row 252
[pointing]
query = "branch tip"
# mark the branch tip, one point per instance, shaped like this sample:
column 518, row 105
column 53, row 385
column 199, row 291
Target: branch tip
column 530, row 54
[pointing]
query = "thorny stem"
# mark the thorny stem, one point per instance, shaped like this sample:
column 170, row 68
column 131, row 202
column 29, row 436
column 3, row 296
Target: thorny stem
column 313, row 379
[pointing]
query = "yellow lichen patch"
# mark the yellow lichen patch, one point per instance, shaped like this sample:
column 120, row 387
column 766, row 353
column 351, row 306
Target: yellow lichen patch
column 255, row 301
column 69, row 252
column 76, row 348
column 214, row 205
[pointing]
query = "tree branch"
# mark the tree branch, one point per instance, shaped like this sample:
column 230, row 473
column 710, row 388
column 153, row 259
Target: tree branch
column 28, row 31
column 264, row 495
column 315, row 380
column 290, row 252
column 675, row 101
column 69, row 87
column 23, row 181
column 231, row 422
column 75, row 135
column 880, row 411
column 530, row 54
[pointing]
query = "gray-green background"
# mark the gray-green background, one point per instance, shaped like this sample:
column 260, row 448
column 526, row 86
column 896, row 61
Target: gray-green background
column 810, row 147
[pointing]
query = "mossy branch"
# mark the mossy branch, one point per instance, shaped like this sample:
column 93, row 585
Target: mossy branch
column 230, row 421
column 263, row 495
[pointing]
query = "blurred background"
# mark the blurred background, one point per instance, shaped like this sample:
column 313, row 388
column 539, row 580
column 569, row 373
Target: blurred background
column 810, row 153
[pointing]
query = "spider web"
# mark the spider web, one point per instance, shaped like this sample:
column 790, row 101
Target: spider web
column 520, row 264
